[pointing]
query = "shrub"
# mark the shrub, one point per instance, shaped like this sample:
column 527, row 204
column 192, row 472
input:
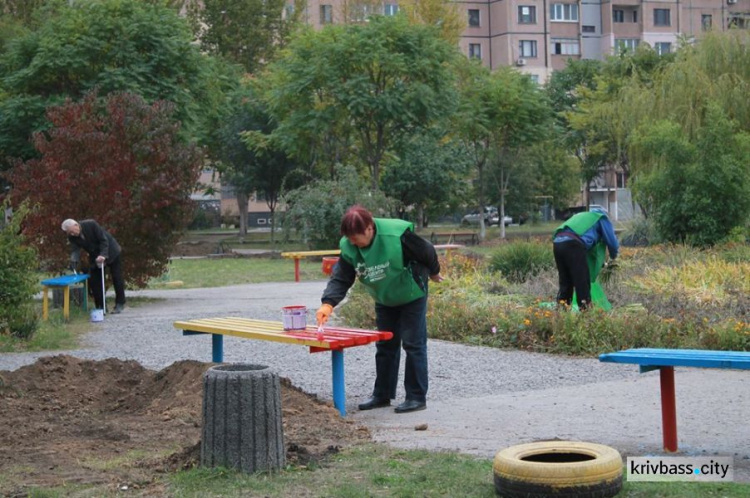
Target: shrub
column 17, row 279
column 315, row 210
column 519, row 261
column 120, row 161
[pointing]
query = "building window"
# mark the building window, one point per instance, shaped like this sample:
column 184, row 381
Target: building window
column 564, row 12
column 626, row 44
column 474, row 18
column 635, row 16
column 618, row 15
column 534, row 78
column 588, row 29
column 526, row 14
column 360, row 13
column 289, row 11
column 706, row 22
column 662, row 47
column 737, row 21
column 390, row 9
column 527, row 48
column 326, row 14
column 621, row 179
column 661, row 17
column 475, row 51
column 562, row 46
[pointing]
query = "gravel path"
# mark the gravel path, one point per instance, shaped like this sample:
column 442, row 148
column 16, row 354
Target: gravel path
column 480, row 399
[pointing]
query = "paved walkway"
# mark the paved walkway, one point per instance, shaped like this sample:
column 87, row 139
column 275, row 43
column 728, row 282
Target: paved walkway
column 480, row 399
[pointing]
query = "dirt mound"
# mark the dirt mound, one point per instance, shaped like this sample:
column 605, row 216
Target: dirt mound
column 113, row 422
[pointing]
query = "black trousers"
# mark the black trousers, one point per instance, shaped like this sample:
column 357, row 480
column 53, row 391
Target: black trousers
column 409, row 326
column 95, row 282
column 573, row 272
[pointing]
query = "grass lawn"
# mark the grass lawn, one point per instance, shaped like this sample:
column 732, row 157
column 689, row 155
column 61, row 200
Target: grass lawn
column 377, row 470
column 194, row 273
column 374, row 470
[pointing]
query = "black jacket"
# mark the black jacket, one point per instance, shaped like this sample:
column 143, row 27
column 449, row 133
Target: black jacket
column 95, row 240
column 418, row 253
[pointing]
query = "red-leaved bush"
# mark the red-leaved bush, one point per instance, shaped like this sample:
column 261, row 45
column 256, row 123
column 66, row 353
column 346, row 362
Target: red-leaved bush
column 120, row 161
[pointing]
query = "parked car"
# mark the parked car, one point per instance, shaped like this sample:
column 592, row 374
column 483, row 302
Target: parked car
column 491, row 217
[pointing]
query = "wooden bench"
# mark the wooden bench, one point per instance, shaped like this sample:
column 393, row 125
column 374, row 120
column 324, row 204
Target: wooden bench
column 453, row 237
column 297, row 255
column 65, row 283
column 333, row 339
column 665, row 360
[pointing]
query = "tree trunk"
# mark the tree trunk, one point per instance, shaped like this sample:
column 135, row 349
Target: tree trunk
column 242, row 419
column 242, row 200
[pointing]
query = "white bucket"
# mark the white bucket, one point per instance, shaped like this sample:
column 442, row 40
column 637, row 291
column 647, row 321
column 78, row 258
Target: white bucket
column 294, row 317
column 97, row 315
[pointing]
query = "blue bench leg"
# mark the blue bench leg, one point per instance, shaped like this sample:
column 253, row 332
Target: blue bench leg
column 217, row 348
column 337, row 367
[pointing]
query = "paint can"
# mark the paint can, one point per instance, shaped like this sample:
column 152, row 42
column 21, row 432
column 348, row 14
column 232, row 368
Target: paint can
column 97, row 315
column 294, row 317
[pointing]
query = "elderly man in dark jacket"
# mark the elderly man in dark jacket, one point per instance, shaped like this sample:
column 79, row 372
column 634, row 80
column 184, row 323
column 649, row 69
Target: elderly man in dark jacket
column 103, row 250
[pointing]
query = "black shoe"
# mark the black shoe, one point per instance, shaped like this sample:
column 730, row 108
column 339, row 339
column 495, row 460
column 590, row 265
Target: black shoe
column 374, row 403
column 118, row 309
column 411, row 405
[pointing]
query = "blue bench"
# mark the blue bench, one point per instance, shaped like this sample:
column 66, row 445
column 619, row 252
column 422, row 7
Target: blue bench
column 65, row 282
column 665, row 360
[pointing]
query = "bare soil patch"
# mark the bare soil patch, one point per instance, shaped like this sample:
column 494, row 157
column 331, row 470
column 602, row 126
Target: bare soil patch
column 115, row 423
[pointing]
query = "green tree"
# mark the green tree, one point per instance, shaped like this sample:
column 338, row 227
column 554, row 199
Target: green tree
column 345, row 93
column 315, row 210
column 246, row 32
column 261, row 166
column 18, row 279
column 501, row 113
column 426, row 173
column 697, row 190
column 449, row 17
column 605, row 116
column 110, row 45
column 544, row 173
column 29, row 12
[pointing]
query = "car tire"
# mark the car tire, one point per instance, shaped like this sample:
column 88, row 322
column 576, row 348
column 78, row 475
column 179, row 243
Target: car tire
column 558, row 468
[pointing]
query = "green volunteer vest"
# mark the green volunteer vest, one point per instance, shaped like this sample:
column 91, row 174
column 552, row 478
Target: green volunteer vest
column 580, row 224
column 380, row 267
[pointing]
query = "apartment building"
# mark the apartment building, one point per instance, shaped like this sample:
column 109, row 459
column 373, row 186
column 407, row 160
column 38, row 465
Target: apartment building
column 539, row 36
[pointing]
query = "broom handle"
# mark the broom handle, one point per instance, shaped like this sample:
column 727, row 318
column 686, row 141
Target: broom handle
column 104, row 293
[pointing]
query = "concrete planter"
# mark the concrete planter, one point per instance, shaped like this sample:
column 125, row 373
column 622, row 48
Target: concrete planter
column 242, row 426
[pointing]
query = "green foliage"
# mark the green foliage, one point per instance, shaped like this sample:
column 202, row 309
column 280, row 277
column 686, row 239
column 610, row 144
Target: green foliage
column 248, row 160
column 543, row 169
column 697, row 191
column 344, row 94
column 427, row 173
column 520, row 261
column 246, row 32
column 448, row 16
column 110, row 45
column 315, row 210
column 18, row 282
column 667, row 296
column 502, row 113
